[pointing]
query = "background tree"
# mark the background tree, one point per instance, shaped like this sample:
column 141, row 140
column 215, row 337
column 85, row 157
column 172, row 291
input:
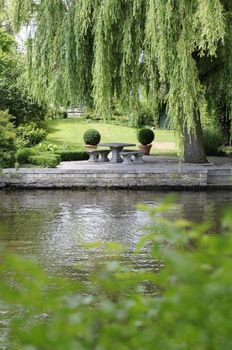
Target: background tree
column 4, row 16
column 14, row 95
column 7, row 141
column 92, row 50
column 215, row 75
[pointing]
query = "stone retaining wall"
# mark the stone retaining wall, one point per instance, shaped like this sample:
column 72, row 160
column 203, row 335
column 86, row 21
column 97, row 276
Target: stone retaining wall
column 218, row 178
column 60, row 178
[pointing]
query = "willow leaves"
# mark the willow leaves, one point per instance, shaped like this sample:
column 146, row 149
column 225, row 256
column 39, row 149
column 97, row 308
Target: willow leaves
column 91, row 51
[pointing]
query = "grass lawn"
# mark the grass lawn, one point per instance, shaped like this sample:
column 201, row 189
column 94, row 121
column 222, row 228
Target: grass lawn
column 70, row 131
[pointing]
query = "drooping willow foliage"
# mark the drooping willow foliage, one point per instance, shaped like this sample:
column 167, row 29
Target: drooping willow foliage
column 91, row 51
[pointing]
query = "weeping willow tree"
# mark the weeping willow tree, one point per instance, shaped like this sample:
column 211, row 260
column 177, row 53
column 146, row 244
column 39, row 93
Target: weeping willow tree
column 91, row 51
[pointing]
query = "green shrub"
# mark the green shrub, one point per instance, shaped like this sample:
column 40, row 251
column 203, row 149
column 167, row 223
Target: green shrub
column 65, row 115
column 69, row 155
column 23, row 155
column 23, row 107
column 51, row 147
column 91, row 137
column 45, row 160
column 29, row 135
column 146, row 136
column 7, row 141
column 142, row 118
column 62, row 115
column 34, row 157
column 91, row 116
column 15, row 96
column 213, row 140
column 54, row 113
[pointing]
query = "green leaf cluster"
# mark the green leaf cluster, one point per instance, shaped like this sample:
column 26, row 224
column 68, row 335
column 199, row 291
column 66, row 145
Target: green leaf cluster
column 15, row 97
column 93, row 51
column 7, row 46
column 7, row 141
column 29, row 135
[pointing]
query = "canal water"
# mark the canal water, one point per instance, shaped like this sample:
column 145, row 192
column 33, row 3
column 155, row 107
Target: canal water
column 53, row 226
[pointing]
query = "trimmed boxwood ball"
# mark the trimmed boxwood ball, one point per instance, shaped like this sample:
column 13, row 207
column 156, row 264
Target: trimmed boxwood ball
column 91, row 137
column 145, row 136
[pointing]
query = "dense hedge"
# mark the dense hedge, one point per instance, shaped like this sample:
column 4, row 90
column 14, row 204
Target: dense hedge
column 69, row 155
column 48, row 159
column 23, row 155
column 34, row 157
column 45, row 160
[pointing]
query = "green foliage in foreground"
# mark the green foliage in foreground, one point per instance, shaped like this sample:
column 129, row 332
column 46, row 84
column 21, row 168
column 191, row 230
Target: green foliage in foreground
column 188, row 305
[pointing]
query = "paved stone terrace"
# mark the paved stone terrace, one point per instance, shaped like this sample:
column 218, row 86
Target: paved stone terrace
column 156, row 172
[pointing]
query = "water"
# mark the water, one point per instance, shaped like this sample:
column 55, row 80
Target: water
column 51, row 226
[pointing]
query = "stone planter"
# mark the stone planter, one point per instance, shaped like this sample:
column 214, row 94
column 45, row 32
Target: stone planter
column 145, row 149
column 91, row 146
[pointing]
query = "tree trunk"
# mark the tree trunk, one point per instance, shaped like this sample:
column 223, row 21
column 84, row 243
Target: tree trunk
column 194, row 151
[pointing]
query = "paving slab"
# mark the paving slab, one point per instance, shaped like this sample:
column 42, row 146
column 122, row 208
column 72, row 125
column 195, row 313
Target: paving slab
column 151, row 163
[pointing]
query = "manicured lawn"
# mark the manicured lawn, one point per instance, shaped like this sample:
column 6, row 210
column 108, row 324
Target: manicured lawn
column 70, row 131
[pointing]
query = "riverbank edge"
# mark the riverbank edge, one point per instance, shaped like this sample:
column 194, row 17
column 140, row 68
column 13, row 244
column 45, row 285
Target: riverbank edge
column 114, row 178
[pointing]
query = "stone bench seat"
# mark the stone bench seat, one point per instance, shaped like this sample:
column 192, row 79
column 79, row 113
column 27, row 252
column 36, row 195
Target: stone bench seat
column 131, row 156
column 99, row 155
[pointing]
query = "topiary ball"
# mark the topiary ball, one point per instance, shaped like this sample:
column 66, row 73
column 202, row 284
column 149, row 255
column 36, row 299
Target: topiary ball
column 91, row 137
column 145, row 136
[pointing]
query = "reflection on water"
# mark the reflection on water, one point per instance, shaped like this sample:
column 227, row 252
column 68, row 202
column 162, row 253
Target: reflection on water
column 53, row 225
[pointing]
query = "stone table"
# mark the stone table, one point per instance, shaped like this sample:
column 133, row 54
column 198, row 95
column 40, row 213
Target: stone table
column 116, row 148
